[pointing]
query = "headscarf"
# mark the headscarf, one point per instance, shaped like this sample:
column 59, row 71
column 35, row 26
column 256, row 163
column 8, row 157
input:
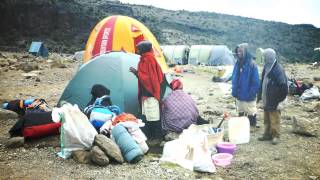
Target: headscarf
column 143, row 47
column 176, row 84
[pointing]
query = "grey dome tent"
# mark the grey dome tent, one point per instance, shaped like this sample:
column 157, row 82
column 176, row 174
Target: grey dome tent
column 176, row 54
column 220, row 55
column 110, row 70
column 199, row 54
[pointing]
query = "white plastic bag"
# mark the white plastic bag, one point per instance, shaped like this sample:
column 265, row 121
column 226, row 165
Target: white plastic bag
column 189, row 151
column 176, row 152
column 76, row 130
column 312, row 93
column 198, row 146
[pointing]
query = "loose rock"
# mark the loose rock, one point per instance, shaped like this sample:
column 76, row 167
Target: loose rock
column 6, row 114
column 109, row 147
column 81, row 156
column 15, row 142
column 99, row 157
column 305, row 127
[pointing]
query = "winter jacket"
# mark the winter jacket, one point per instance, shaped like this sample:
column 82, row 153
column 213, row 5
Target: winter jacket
column 277, row 87
column 245, row 80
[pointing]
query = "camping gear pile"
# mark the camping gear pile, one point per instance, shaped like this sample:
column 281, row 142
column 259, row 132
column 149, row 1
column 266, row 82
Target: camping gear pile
column 34, row 118
column 305, row 91
column 224, row 74
column 77, row 133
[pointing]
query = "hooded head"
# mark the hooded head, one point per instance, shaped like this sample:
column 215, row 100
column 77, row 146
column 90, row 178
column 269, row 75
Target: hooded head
column 242, row 52
column 269, row 58
column 143, row 47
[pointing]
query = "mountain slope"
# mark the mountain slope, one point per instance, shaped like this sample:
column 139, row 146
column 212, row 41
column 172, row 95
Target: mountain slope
column 64, row 25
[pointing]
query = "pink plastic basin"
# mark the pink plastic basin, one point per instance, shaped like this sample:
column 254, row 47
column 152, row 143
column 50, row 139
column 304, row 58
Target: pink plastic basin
column 226, row 147
column 222, row 159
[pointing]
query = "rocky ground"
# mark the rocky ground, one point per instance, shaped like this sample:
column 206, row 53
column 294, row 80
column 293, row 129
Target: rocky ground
column 296, row 157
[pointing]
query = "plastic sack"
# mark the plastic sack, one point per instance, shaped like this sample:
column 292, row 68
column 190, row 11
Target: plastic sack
column 189, row 151
column 312, row 93
column 176, row 152
column 76, row 131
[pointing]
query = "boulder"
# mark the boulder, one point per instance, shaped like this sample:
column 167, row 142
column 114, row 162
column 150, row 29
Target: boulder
column 317, row 108
column 56, row 64
column 81, row 156
column 305, row 127
column 12, row 61
column 99, row 157
column 27, row 67
column 316, row 78
column 6, row 114
column 15, row 142
column 4, row 63
column 109, row 147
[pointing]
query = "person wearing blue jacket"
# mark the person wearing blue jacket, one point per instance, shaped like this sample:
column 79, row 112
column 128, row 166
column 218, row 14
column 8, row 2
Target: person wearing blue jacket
column 245, row 84
column 274, row 90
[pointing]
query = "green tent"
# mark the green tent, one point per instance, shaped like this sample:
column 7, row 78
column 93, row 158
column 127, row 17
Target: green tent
column 176, row 54
column 259, row 56
column 199, row 54
column 112, row 71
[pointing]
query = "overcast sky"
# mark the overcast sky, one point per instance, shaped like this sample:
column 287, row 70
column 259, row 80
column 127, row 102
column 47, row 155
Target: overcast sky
column 288, row 11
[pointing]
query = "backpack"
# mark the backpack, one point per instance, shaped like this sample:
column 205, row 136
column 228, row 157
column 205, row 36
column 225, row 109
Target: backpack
column 101, row 111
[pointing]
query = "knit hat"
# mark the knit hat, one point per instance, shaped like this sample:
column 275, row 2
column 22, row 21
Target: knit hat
column 143, row 47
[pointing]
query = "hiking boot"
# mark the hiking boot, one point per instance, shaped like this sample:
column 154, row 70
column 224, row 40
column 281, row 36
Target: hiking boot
column 275, row 141
column 265, row 138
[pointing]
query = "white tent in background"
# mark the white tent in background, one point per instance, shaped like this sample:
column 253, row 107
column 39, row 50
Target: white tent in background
column 220, row 56
column 175, row 54
column 199, row 54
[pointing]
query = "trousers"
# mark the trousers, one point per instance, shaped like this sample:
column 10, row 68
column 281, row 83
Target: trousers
column 272, row 123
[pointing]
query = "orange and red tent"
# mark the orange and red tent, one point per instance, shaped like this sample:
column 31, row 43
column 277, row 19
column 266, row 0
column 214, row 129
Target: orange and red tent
column 120, row 33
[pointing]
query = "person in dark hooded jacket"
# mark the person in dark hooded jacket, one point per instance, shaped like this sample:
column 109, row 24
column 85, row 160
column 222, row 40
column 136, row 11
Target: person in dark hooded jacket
column 245, row 84
column 274, row 89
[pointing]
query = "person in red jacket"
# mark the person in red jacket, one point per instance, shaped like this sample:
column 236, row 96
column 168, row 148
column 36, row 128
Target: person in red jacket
column 150, row 79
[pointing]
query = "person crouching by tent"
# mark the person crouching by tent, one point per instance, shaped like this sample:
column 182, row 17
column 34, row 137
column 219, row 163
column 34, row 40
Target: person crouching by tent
column 245, row 84
column 274, row 89
column 179, row 110
column 150, row 79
